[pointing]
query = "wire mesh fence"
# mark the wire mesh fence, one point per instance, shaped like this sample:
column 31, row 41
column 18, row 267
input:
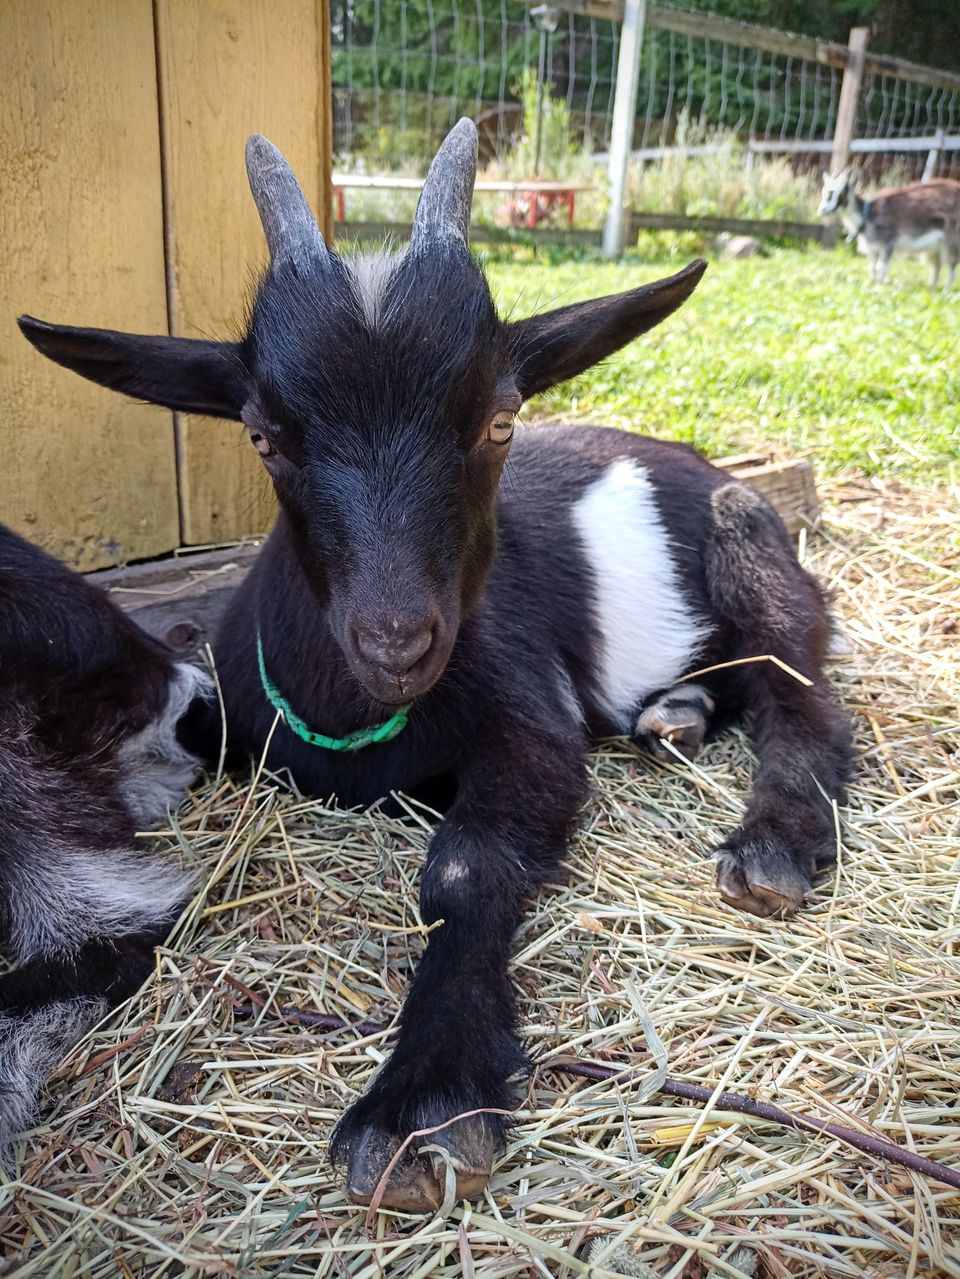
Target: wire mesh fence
column 894, row 109
column 405, row 70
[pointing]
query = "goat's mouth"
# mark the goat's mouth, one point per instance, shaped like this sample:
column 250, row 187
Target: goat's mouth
column 390, row 689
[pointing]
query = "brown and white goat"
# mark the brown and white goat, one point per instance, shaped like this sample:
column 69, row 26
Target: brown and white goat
column 922, row 217
column 471, row 636
column 89, row 707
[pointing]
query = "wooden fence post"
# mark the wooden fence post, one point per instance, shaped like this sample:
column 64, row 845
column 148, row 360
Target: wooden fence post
column 849, row 98
column 624, row 114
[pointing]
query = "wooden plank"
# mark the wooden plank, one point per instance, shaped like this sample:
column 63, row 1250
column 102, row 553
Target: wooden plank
column 229, row 68
column 191, row 592
column 778, row 228
column 324, row 75
column 901, row 69
column 183, row 591
column 789, row 487
column 747, row 35
column 387, row 182
column 88, row 475
column 706, row 26
column 367, row 232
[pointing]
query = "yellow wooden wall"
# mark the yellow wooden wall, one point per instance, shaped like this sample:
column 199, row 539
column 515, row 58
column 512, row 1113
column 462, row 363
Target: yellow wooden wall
column 124, row 203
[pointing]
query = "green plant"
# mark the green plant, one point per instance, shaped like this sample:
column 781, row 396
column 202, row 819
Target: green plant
column 557, row 150
column 725, row 182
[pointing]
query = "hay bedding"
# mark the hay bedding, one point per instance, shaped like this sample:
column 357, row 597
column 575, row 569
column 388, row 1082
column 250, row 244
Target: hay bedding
column 186, row 1139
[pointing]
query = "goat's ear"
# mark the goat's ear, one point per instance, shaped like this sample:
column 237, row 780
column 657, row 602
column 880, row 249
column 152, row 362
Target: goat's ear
column 557, row 345
column 180, row 373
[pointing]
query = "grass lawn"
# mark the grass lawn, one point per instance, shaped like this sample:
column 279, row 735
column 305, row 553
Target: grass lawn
column 795, row 350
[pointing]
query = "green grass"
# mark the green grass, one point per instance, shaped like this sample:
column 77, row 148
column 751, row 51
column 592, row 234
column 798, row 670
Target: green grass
column 795, row 350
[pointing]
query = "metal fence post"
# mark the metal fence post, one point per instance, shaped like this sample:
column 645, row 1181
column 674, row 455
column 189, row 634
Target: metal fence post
column 933, row 157
column 621, row 136
column 849, row 98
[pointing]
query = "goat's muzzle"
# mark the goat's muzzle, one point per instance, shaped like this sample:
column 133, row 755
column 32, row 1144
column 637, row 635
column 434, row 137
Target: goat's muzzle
column 399, row 659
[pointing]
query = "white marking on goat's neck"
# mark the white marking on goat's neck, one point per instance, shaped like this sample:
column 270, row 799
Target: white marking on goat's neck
column 156, row 770
column 371, row 275
column 648, row 634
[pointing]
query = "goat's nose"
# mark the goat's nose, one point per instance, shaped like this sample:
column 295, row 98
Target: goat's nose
column 396, row 649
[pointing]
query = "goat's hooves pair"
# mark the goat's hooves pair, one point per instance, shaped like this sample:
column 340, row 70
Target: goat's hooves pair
column 418, row 1183
column 760, row 878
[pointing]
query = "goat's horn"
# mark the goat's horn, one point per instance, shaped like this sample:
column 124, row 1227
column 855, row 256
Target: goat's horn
column 288, row 223
column 443, row 213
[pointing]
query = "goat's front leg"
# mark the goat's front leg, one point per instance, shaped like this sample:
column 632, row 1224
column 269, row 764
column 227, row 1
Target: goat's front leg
column 458, row 1048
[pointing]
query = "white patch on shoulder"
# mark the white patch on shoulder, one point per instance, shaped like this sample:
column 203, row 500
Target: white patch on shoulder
column 30, row 1048
column 64, row 897
column 371, row 274
column 156, row 770
column 649, row 636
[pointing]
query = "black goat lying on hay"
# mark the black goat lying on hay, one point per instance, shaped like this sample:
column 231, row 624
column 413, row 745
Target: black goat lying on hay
column 410, row 604
column 89, row 706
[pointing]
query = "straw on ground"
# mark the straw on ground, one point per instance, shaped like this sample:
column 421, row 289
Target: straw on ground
column 185, row 1140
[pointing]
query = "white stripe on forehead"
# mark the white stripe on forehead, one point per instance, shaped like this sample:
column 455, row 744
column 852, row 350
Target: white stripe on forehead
column 371, row 274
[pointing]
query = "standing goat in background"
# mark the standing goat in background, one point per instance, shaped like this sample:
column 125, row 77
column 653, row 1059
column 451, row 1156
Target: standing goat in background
column 923, row 217
column 415, row 622
column 89, row 706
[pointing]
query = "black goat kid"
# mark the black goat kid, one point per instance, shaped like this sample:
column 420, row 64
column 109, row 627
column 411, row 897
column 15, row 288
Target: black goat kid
column 410, row 604
column 89, row 706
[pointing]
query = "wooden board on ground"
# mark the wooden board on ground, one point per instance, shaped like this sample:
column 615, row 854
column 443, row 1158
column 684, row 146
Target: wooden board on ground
column 228, row 70
column 86, row 474
column 183, row 591
column 789, row 486
column 191, row 591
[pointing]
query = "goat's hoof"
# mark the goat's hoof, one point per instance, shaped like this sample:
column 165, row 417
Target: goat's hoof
column 681, row 716
column 760, row 878
column 418, row 1182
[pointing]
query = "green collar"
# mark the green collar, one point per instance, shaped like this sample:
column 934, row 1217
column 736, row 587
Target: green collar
column 384, row 732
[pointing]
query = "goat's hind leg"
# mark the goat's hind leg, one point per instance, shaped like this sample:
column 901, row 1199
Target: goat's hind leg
column 802, row 737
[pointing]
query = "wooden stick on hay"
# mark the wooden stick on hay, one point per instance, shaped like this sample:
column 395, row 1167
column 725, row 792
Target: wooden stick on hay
column 876, row 1146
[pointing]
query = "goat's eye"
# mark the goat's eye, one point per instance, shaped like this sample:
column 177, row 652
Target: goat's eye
column 500, row 430
column 261, row 443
